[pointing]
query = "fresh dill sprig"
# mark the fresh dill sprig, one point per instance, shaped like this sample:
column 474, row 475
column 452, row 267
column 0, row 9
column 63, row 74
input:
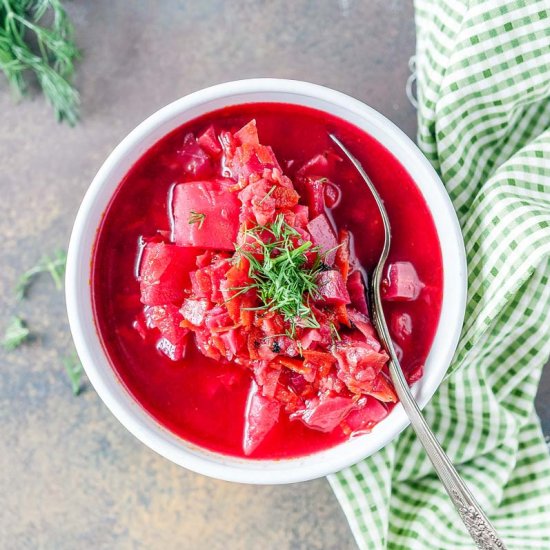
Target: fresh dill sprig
column 268, row 194
column 278, row 268
column 196, row 217
column 54, row 265
column 16, row 333
column 73, row 367
column 28, row 45
column 334, row 334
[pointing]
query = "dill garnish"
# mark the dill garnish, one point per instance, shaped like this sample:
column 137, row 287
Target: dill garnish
column 196, row 217
column 279, row 269
column 273, row 187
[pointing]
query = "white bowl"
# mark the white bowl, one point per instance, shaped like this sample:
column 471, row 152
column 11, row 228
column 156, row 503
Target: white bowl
column 78, row 289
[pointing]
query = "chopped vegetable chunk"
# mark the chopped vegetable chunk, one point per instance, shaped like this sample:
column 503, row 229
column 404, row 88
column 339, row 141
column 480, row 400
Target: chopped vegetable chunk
column 206, row 215
column 323, row 236
column 261, row 415
column 402, row 283
column 164, row 273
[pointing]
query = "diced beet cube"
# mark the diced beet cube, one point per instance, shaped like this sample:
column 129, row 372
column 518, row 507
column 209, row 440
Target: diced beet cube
column 205, row 259
column 316, row 166
column 233, row 341
column 357, row 292
column 176, row 352
column 315, row 196
column 363, row 324
column 297, row 382
column 358, row 364
column 363, row 419
column 261, row 415
column 194, row 311
column 331, row 288
column 201, row 283
column 194, row 159
column 210, row 143
column 401, row 283
column 319, row 166
column 401, row 326
column 326, row 413
column 323, row 236
column 302, row 215
column 332, row 194
column 218, row 318
column 383, row 390
column 167, row 319
column 205, row 215
column 258, row 204
column 164, row 273
column 416, row 373
column 248, row 134
column 268, row 379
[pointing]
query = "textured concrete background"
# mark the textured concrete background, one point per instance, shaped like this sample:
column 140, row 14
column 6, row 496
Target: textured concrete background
column 70, row 475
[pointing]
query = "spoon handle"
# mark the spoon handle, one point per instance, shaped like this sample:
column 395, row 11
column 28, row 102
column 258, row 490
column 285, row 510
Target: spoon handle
column 475, row 520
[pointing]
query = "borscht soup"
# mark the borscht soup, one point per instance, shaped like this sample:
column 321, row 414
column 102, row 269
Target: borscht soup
column 229, row 281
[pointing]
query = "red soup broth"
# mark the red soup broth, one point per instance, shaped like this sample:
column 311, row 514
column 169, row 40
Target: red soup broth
column 197, row 398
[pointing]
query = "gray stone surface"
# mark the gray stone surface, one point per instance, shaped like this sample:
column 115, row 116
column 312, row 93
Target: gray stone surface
column 70, row 474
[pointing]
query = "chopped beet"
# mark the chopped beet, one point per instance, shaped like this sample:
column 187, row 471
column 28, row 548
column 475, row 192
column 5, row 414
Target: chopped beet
column 369, row 412
column 323, row 236
column 206, row 215
column 164, row 273
column 358, row 364
column 416, row 373
column 167, row 319
column 209, row 142
column 325, row 413
column 357, row 292
column 332, row 289
column 194, row 311
column 401, row 326
column 315, row 196
column 363, row 324
column 383, row 390
column 248, row 134
column 196, row 163
column 332, row 195
column 260, row 416
column 316, row 166
column 401, row 283
column 175, row 351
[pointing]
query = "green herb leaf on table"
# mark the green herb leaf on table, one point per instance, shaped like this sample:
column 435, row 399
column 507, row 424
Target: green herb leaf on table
column 16, row 333
column 54, row 265
column 73, row 366
column 27, row 45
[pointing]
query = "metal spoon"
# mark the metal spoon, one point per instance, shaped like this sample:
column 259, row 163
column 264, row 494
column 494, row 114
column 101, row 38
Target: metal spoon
column 475, row 520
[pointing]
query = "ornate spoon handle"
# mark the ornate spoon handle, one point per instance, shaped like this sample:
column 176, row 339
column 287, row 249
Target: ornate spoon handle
column 475, row 520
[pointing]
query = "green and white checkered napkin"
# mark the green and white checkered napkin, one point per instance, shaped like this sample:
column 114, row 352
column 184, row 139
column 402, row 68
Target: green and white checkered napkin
column 484, row 123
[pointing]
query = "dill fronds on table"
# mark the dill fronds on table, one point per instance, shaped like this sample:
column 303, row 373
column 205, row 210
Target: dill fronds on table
column 36, row 37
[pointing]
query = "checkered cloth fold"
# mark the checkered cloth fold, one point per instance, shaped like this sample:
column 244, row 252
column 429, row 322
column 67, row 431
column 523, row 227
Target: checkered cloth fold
column 484, row 123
